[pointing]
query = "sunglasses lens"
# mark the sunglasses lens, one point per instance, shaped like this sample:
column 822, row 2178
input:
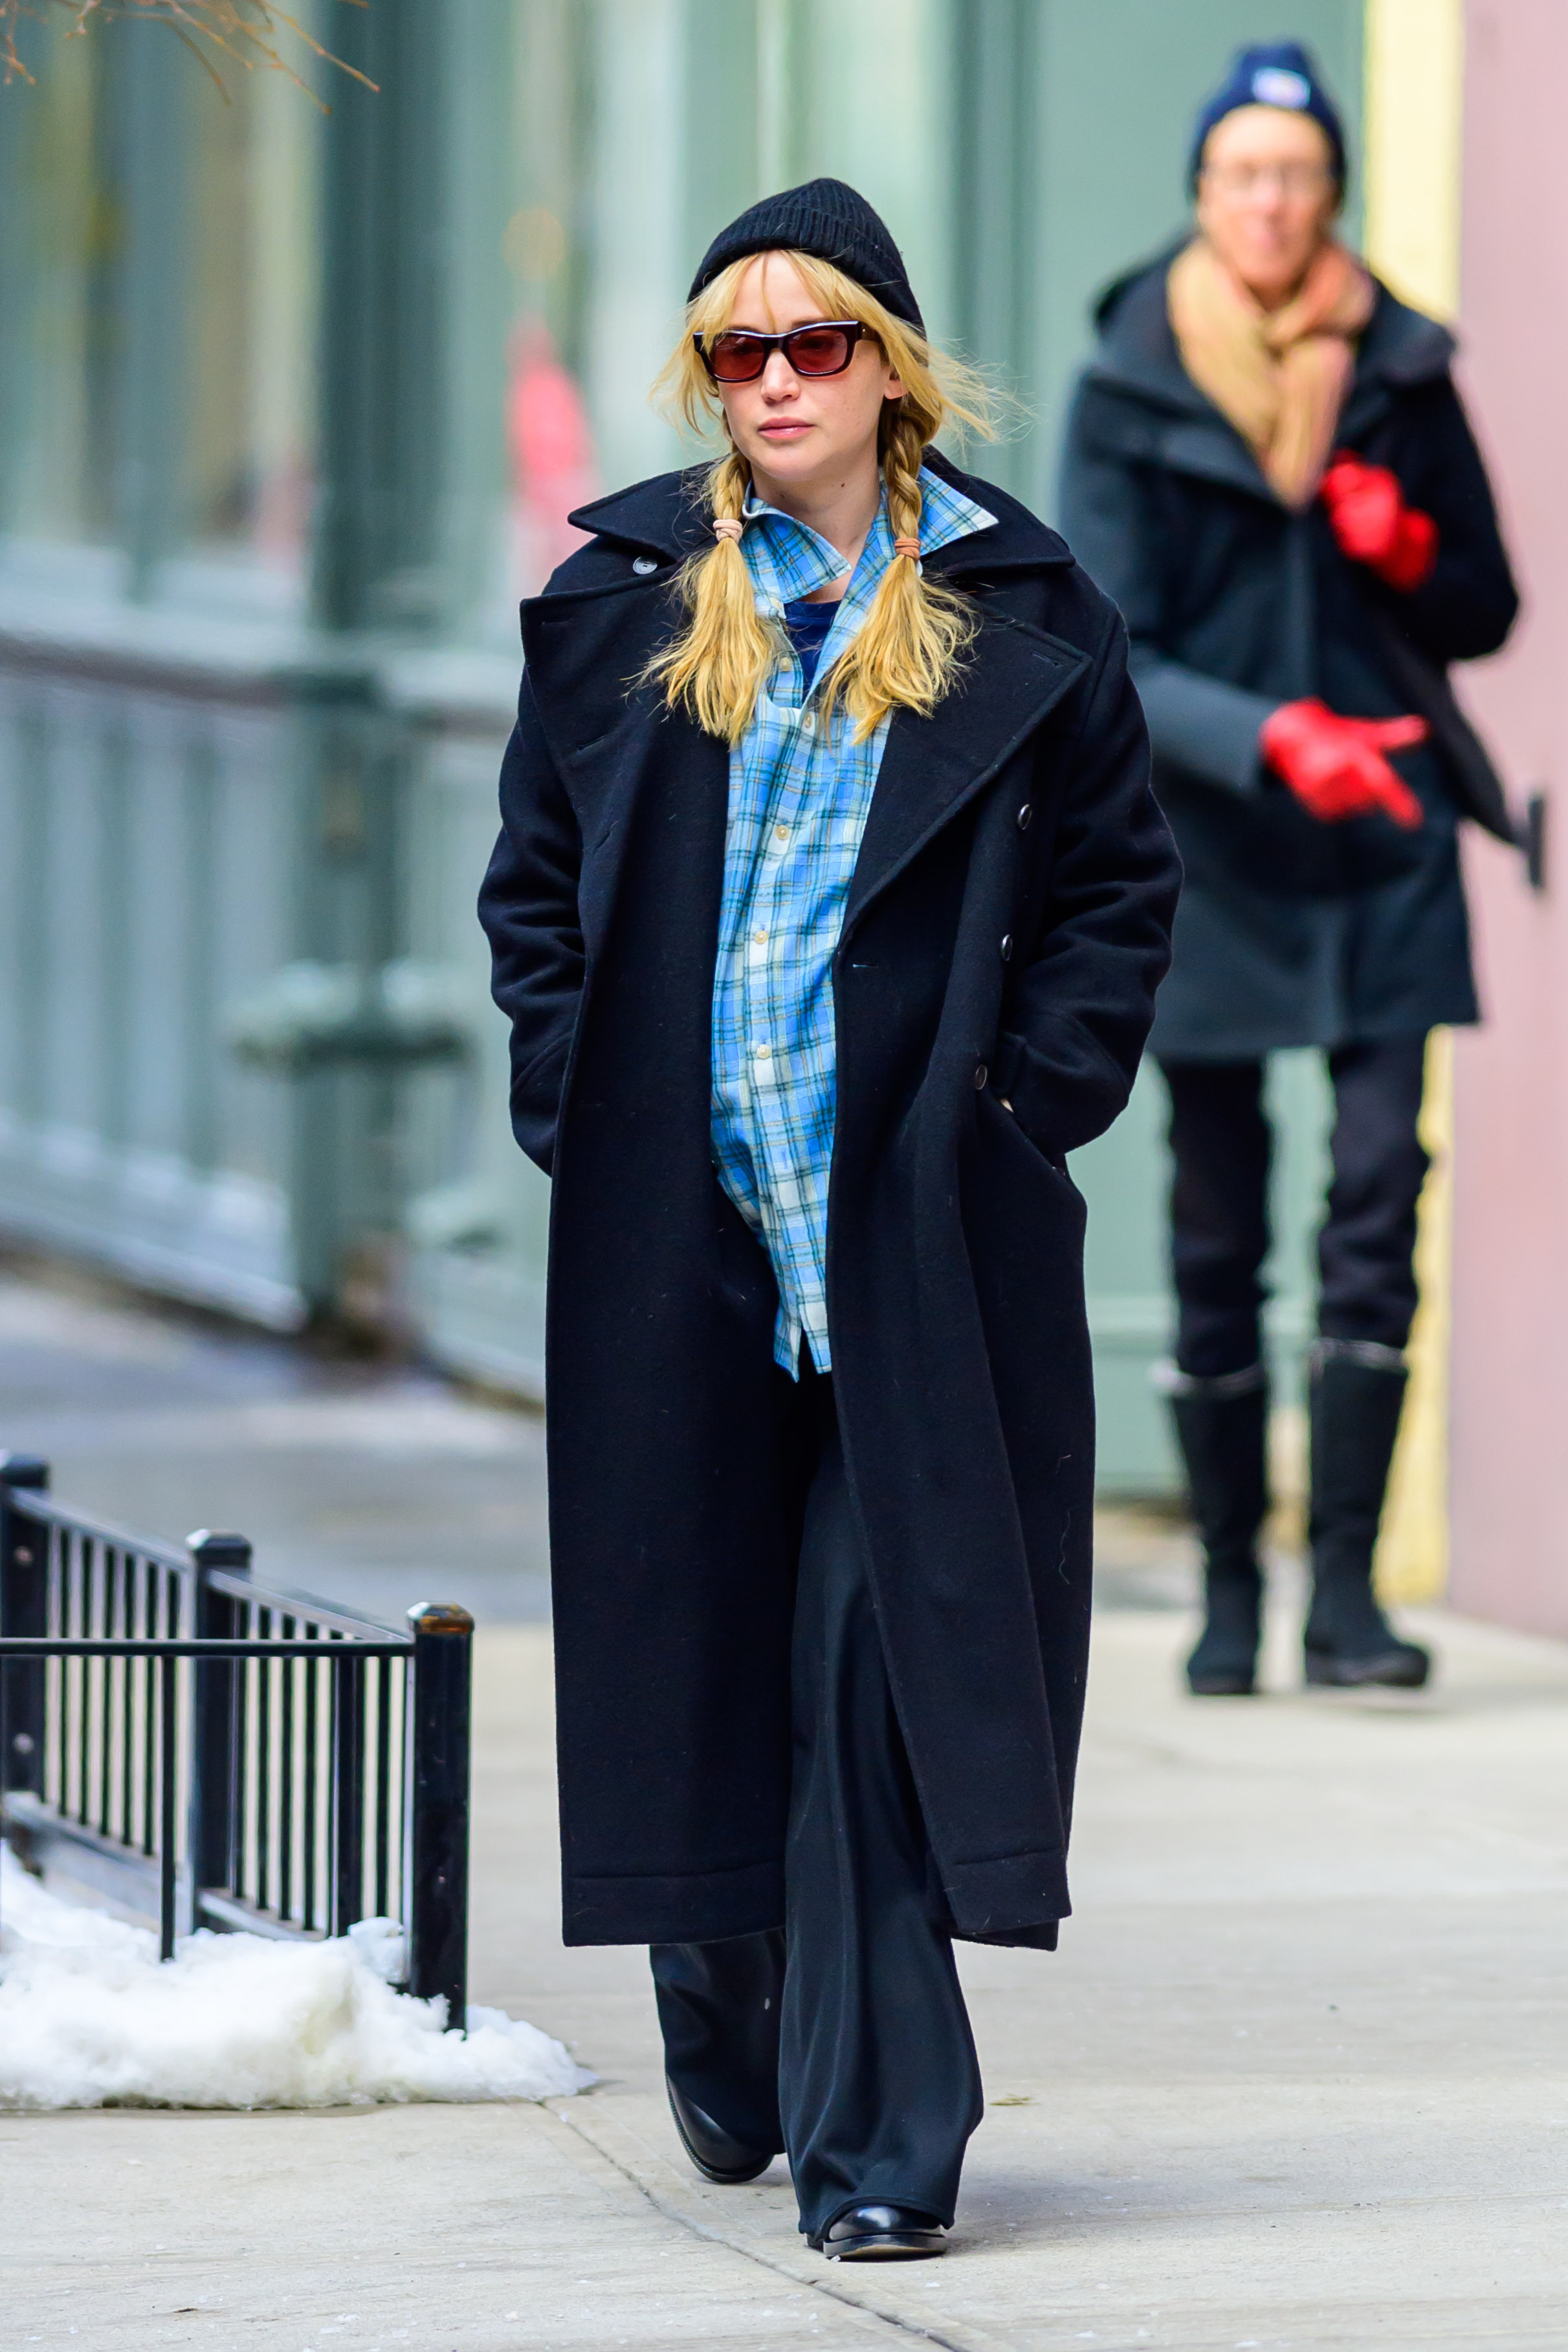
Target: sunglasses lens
column 737, row 359
column 819, row 350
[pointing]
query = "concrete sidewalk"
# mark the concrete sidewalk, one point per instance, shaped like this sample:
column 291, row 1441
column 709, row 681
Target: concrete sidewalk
column 373, row 1484
column 1298, row 2076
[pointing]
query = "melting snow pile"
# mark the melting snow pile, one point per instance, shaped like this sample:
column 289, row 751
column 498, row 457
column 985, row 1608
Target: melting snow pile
column 87, row 2014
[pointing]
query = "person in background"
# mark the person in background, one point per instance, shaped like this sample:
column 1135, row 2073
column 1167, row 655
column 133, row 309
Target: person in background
column 1268, row 467
column 828, row 909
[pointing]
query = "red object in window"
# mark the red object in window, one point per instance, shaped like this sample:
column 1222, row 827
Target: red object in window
column 551, row 448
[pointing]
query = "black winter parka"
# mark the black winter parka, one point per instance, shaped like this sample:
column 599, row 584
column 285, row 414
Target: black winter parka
column 1005, row 929
column 1290, row 932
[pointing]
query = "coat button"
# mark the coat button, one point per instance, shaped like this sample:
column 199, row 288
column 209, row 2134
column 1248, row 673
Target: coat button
column 1007, row 948
column 1024, row 816
column 981, row 1075
column 643, row 565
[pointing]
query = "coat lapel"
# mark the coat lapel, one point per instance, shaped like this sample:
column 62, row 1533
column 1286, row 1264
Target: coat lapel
column 615, row 745
column 933, row 767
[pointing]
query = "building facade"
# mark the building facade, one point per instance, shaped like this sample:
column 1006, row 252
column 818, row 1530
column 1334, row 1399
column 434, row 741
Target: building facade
column 292, row 407
column 1509, row 1460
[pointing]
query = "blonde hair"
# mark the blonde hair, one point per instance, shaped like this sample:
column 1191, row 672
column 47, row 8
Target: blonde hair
column 909, row 649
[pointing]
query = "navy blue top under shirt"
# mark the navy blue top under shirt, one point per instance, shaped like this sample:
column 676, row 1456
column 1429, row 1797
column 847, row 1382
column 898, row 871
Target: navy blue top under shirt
column 808, row 624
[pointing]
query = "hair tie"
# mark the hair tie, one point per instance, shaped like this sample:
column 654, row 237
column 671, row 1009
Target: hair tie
column 729, row 527
column 910, row 547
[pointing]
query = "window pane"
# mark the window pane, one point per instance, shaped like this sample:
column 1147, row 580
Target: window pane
column 250, row 322
column 60, row 230
column 157, row 277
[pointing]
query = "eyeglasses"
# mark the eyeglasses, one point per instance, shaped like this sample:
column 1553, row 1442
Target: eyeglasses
column 739, row 356
column 1242, row 180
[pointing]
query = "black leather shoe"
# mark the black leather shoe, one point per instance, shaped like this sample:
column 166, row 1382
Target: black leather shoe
column 1355, row 1399
column 717, row 2156
column 881, row 2233
column 1393, row 1664
column 1222, row 1428
column 1225, row 1663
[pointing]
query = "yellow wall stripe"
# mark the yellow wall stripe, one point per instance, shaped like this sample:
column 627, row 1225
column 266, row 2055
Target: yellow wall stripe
column 1415, row 52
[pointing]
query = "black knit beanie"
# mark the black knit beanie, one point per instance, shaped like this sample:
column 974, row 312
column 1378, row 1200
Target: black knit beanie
column 826, row 219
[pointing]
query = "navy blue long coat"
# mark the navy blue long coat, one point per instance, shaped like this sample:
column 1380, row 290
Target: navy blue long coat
column 1290, row 932
column 1007, row 926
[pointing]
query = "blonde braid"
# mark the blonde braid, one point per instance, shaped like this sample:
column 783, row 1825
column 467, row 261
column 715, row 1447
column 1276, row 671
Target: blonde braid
column 907, row 652
column 725, row 655
column 901, row 463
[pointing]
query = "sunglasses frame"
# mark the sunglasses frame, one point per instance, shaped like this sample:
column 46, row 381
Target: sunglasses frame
column 855, row 329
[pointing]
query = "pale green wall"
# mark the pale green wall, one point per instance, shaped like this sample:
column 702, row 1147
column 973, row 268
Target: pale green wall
column 1024, row 151
column 1118, row 83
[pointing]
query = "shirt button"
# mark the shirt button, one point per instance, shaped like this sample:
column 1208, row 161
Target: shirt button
column 981, row 1075
column 643, row 565
column 1024, row 816
column 762, row 1051
column 780, row 833
column 759, row 938
column 1007, row 948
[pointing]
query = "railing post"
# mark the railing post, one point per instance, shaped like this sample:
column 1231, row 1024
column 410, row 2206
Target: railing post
column 347, row 1880
column 435, row 1881
column 23, row 1610
column 210, row 1829
column 168, row 1782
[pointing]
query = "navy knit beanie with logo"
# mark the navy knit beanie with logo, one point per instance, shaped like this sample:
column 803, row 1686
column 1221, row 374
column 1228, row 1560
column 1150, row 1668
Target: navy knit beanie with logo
column 1276, row 73
column 829, row 220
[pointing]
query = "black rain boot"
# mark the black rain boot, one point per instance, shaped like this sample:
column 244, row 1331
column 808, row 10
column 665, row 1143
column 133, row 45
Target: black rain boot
column 1356, row 1394
column 1222, row 1429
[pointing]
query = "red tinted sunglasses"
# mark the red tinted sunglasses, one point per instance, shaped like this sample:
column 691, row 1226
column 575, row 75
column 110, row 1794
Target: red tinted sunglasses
column 825, row 349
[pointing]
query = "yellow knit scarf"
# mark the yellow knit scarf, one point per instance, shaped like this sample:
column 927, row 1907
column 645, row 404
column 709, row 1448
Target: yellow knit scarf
column 1281, row 376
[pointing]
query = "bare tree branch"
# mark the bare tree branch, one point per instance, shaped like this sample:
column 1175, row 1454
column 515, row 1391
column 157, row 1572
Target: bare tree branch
column 243, row 33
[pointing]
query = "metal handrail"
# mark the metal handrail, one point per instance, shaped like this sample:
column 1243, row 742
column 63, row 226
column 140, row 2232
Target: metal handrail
column 195, row 1645
column 312, row 1743
column 244, row 1587
column 44, row 1507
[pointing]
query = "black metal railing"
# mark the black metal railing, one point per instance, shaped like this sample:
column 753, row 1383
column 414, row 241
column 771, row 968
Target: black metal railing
column 215, row 1753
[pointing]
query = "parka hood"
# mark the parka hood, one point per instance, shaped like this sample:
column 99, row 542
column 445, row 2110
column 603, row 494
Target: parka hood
column 666, row 517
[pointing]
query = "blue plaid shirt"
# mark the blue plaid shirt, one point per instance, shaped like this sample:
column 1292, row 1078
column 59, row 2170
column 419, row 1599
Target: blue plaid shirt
column 800, row 793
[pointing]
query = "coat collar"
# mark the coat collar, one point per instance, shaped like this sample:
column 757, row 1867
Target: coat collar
column 786, row 559
column 666, row 515
column 1015, row 673
column 1137, row 359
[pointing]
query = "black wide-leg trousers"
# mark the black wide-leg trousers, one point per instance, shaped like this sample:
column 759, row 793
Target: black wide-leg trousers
column 1221, row 1145
column 843, row 2039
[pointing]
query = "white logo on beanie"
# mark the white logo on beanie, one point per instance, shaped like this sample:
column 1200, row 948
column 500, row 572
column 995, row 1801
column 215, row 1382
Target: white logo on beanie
column 1277, row 86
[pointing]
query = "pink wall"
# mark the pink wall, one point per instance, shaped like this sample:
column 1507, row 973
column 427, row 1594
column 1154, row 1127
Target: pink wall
column 1510, row 1393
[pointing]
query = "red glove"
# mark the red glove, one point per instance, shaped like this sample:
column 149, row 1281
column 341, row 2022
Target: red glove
column 1335, row 766
column 1374, row 526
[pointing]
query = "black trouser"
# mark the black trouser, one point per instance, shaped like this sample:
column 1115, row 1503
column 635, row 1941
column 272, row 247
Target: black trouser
column 1219, row 1202
column 842, row 2039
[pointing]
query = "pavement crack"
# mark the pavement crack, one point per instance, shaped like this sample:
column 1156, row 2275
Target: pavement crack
column 600, row 2133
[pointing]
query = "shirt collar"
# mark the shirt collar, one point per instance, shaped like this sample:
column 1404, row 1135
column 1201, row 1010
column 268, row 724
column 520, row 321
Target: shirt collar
column 787, row 558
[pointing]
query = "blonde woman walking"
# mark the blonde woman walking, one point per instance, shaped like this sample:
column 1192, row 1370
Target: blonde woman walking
column 828, row 910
